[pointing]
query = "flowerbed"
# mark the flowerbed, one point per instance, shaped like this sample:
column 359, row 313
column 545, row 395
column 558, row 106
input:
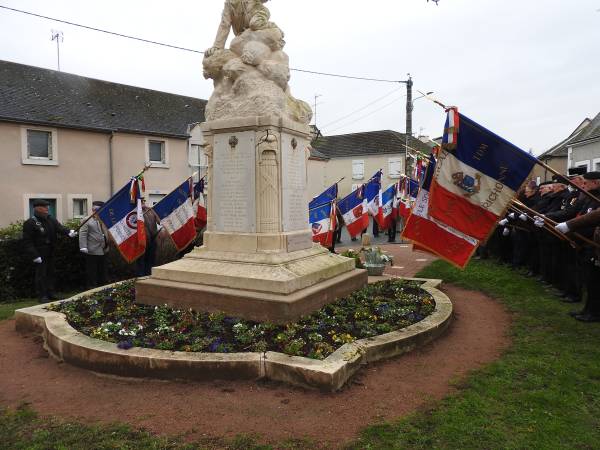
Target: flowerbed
column 112, row 315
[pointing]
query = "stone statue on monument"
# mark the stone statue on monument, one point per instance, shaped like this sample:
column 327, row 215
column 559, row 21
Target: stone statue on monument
column 258, row 260
column 251, row 78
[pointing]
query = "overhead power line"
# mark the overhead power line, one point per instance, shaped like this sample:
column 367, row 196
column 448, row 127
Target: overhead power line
column 162, row 44
column 362, row 108
column 369, row 114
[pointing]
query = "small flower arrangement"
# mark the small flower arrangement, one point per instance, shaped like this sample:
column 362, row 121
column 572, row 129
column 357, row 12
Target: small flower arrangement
column 375, row 260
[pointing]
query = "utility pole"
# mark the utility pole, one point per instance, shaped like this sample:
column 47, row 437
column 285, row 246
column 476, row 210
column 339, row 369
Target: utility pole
column 58, row 36
column 409, row 105
column 315, row 107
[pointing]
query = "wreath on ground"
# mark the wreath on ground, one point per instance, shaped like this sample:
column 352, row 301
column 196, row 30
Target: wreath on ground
column 112, row 315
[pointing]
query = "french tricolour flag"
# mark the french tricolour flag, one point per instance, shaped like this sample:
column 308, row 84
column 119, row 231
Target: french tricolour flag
column 371, row 191
column 176, row 214
column 433, row 235
column 478, row 174
column 329, row 195
column 387, row 207
column 124, row 219
column 200, row 211
column 322, row 223
column 354, row 211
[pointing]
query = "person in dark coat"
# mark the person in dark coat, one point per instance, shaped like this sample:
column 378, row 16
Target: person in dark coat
column 588, row 222
column 40, row 234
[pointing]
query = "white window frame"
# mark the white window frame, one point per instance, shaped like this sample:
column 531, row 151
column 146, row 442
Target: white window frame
column 585, row 164
column 71, row 199
column 163, row 165
column 356, row 186
column 155, row 192
column 39, row 161
column 395, row 160
column 596, row 161
column 570, row 157
column 57, row 197
column 356, row 176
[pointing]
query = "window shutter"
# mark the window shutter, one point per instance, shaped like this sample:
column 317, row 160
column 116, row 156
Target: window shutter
column 358, row 169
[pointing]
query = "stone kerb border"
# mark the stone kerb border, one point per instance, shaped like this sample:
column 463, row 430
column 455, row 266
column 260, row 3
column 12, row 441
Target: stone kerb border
column 67, row 344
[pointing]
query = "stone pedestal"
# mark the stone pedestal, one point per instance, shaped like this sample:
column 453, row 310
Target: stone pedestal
column 258, row 260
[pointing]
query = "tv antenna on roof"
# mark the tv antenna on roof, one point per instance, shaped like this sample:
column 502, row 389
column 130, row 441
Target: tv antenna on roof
column 59, row 37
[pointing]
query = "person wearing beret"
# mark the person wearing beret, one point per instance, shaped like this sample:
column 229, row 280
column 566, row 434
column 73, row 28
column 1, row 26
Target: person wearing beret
column 93, row 242
column 588, row 224
column 40, row 234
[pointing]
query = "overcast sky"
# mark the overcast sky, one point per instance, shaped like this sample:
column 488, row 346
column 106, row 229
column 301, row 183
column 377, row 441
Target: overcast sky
column 529, row 70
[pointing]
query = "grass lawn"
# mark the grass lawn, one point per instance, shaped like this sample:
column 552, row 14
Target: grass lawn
column 544, row 393
column 8, row 309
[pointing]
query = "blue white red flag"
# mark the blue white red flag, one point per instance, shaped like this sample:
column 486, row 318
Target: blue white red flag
column 371, row 192
column 123, row 216
column 477, row 175
column 323, row 222
column 387, row 207
column 200, row 211
column 176, row 215
column 328, row 196
column 354, row 211
column 433, row 235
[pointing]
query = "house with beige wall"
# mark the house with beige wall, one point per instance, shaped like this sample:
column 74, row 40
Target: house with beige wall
column 73, row 140
column 580, row 149
column 356, row 157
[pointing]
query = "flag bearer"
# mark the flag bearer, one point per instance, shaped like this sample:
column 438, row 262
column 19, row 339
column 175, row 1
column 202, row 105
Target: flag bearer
column 40, row 234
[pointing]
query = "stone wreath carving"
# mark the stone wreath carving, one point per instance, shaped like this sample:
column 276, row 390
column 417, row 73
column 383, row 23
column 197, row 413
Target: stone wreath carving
column 251, row 77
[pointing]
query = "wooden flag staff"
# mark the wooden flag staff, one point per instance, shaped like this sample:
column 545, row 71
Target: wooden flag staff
column 95, row 213
column 552, row 222
column 549, row 228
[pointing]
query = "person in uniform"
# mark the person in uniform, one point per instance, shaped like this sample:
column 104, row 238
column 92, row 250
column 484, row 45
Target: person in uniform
column 588, row 222
column 93, row 242
column 40, row 234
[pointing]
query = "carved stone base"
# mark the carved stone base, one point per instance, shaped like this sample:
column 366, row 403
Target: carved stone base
column 278, row 287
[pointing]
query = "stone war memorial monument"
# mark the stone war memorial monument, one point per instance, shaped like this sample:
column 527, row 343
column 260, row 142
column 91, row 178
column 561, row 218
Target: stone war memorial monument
column 258, row 260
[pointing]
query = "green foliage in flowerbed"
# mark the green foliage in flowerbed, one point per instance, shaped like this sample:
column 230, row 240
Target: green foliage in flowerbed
column 380, row 308
column 354, row 255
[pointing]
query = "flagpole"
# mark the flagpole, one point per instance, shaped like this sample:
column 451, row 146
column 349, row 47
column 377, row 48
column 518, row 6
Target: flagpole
column 98, row 212
column 552, row 222
column 549, row 228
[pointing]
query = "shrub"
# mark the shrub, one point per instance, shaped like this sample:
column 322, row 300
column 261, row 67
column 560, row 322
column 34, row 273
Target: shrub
column 17, row 271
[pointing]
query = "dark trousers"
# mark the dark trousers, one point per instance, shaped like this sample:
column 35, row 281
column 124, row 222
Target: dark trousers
column 375, row 228
column 145, row 263
column 95, row 269
column 592, row 285
column 520, row 247
column 392, row 230
column 337, row 236
column 44, row 277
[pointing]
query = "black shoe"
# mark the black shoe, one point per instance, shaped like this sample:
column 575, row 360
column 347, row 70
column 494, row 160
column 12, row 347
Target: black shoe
column 587, row 318
column 52, row 297
column 570, row 299
column 43, row 300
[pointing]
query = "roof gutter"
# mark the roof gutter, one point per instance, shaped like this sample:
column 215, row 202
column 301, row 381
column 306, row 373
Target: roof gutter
column 94, row 129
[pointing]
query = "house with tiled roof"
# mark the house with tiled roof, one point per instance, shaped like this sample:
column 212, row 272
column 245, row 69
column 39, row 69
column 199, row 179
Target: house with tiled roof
column 556, row 157
column 72, row 140
column 356, row 157
column 584, row 151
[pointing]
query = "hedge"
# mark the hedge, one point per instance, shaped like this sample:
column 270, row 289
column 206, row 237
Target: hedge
column 17, row 271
